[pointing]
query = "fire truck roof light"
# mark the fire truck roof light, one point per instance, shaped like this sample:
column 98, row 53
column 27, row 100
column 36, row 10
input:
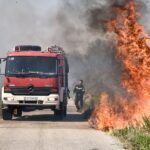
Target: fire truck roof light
column 56, row 49
column 20, row 48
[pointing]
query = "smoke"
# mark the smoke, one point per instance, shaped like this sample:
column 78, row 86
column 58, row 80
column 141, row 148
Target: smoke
column 98, row 67
column 95, row 61
column 77, row 26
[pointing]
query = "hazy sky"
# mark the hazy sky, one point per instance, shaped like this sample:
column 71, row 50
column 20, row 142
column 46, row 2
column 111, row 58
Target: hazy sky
column 26, row 22
column 48, row 22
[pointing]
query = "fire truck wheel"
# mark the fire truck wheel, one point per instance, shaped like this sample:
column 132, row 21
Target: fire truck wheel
column 59, row 114
column 64, row 104
column 65, row 110
column 7, row 114
column 56, row 112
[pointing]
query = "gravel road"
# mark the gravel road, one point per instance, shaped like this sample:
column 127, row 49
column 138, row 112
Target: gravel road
column 38, row 130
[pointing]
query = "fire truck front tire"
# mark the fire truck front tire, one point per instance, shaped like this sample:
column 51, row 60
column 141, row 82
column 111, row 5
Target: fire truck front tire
column 7, row 114
column 62, row 112
column 59, row 114
column 64, row 104
column 65, row 110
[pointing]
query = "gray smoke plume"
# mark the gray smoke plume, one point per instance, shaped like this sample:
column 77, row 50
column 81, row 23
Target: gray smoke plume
column 98, row 66
column 76, row 25
column 95, row 61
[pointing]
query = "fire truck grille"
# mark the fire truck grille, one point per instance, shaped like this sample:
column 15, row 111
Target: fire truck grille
column 40, row 91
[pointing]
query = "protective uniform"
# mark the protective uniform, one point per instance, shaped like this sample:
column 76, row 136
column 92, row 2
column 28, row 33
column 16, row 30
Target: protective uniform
column 79, row 90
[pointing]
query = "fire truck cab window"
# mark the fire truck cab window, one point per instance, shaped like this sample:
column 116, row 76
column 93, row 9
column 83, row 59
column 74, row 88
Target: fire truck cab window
column 31, row 66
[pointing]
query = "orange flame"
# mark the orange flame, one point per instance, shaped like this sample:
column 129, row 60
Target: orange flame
column 132, row 45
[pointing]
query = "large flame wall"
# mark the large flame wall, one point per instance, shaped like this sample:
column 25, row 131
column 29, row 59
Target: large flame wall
column 132, row 48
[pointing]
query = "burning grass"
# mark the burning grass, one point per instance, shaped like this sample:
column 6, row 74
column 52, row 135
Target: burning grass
column 133, row 50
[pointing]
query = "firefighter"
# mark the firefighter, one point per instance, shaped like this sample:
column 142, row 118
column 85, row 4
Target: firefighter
column 79, row 91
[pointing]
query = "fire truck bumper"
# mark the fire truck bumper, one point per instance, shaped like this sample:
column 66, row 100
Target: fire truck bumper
column 50, row 100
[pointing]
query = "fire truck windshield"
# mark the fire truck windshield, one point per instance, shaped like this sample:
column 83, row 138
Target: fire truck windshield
column 31, row 66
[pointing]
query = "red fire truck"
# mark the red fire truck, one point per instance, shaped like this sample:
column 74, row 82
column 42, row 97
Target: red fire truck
column 35, row 78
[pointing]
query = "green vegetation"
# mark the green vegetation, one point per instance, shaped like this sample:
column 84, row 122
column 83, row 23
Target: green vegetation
column 135, row 138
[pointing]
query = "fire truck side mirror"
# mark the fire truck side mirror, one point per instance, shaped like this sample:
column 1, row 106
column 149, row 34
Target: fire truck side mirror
column 1, row 61
column 2, row 74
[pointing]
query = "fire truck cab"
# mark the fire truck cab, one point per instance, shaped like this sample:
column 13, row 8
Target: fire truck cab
column 35, row 78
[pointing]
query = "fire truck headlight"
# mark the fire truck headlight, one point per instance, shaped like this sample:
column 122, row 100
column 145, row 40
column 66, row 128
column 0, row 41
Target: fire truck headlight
column 53, row 99
column 50, row 99
column 56, row 99
column 8, row 98
column 5, row 98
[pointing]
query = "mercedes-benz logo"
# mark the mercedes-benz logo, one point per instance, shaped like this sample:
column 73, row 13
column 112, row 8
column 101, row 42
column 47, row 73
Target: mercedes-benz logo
column 31, row 89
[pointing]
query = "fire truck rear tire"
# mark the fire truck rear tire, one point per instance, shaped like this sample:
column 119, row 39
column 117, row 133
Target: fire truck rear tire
column 7, row 114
